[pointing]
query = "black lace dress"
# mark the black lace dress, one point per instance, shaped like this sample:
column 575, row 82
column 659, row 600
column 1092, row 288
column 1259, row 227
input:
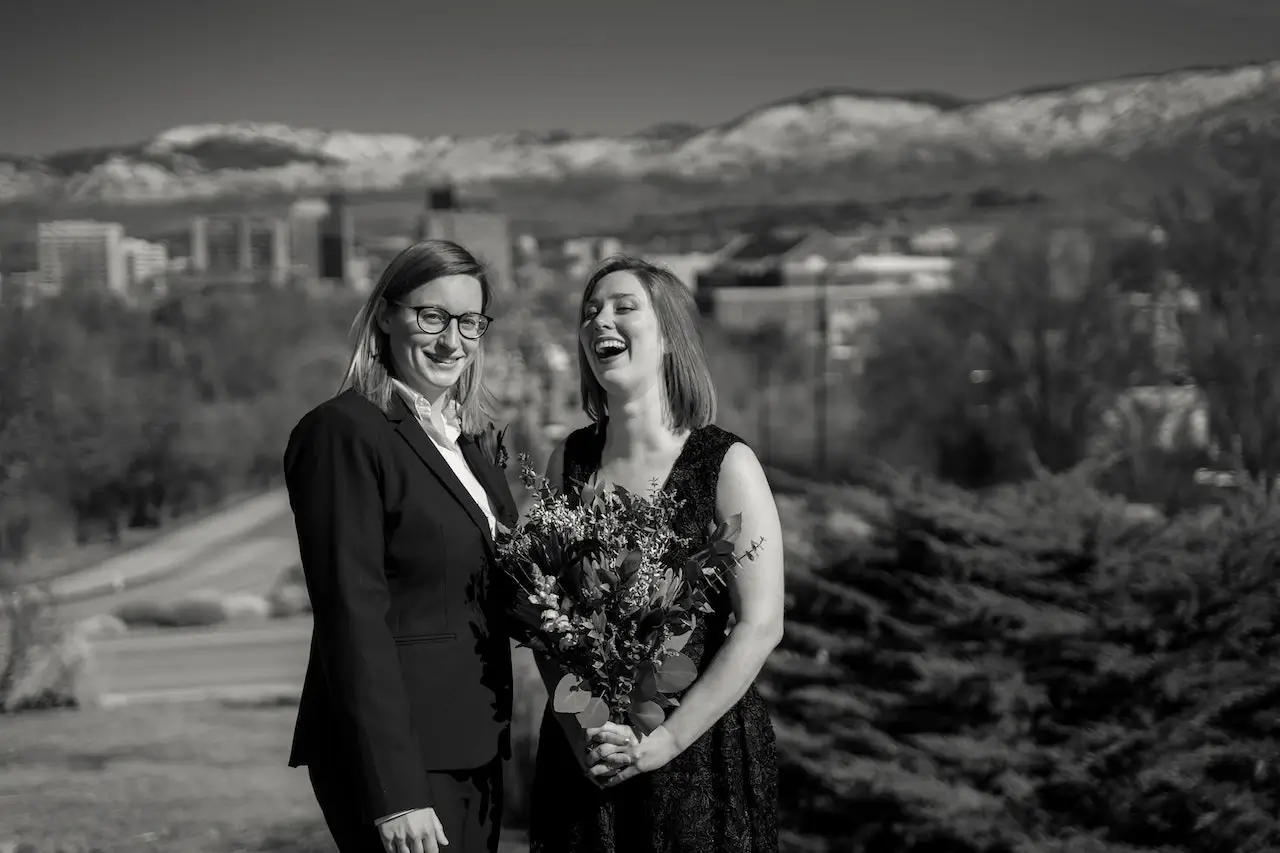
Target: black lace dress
column 718, row 796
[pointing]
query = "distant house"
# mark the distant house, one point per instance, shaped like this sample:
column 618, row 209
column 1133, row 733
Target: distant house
column 803, row 282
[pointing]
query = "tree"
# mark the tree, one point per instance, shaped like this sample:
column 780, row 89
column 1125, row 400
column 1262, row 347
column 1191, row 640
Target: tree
column 1223, row 245
column 1016, row 364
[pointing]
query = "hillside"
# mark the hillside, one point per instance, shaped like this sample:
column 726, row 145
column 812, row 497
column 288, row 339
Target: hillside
column 821, row 145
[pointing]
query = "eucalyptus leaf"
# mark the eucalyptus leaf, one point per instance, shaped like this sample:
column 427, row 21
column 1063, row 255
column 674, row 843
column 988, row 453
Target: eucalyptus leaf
column 646, row 717
column 594, row 715
column 675, row 673
column 730, row 527
column 570, row 698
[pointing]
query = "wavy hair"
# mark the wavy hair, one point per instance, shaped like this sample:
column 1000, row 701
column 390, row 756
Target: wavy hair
column 689, row 393
column 370, row 369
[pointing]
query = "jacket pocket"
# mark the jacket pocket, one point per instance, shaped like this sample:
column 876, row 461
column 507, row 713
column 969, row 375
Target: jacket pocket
column 410, row 639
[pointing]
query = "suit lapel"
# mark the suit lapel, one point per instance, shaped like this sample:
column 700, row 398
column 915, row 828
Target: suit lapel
column 493, row 480
column 411, row 431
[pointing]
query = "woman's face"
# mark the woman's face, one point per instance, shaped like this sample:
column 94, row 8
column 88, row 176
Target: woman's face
column 432, row 362
column 621, row 335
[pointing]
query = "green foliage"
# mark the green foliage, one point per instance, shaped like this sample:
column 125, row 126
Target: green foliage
column 117, row 417
column 184, row 613
column 1011, row 370
column 1223, row 245
column 1033, row 668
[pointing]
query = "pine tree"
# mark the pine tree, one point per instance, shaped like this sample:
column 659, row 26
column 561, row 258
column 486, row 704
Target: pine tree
column 1033, row 669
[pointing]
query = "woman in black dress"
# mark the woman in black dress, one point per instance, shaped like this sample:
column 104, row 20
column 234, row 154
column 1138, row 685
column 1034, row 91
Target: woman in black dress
column 706, row 780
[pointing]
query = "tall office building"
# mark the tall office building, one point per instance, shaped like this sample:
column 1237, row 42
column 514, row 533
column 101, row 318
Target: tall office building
column 306, row 218
column 485, row 234
column 81, row 253
column 337, row 240
column 144, row 260
column 199, row 244
column 241, row 247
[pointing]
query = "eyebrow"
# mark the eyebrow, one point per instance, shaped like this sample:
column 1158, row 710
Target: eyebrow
column 623, row 295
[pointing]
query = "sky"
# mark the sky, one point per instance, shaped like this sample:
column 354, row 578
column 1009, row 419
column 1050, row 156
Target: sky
column 85, row 73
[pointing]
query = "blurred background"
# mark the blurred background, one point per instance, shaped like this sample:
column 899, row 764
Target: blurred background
column 992, row 288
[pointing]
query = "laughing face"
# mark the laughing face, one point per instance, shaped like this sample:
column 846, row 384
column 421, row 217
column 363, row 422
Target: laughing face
column 432, row 363
column 621, row 336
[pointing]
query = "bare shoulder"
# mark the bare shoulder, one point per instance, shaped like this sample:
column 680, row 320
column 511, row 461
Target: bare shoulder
column 742, row 477
column 555, row 465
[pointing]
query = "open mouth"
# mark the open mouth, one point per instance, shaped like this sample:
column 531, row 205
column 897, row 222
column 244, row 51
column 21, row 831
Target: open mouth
column 606, row 349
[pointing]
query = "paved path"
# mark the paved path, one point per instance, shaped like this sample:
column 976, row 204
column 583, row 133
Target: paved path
column 242, row 549
column 228, row 662
column 178, row 550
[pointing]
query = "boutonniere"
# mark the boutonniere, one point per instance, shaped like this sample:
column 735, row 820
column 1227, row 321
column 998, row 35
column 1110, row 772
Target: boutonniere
column 489, row 441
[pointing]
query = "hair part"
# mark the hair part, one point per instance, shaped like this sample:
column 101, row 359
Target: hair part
column 689, row 394
column 370, row 368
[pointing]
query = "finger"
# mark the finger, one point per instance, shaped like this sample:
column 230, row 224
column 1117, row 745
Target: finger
column 402, row 845
column 602, row 751
column 623, row 775
column 616, row 758
column 614, row 738
column 420, row 845
column 439, row 828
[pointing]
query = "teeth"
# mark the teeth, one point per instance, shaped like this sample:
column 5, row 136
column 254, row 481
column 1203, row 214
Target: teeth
column 609, row 347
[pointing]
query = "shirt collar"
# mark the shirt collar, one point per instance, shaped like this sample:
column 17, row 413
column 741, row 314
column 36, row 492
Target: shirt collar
column 443, row 424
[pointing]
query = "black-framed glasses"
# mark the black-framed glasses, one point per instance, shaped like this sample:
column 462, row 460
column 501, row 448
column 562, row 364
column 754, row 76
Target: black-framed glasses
column 433, row 320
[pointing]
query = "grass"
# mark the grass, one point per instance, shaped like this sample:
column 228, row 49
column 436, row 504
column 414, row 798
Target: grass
column 181, row 778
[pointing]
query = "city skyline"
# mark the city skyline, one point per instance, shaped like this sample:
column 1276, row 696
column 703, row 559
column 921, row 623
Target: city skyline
column 107, row 78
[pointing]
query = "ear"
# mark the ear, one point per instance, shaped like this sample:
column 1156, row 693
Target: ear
column 381, row 316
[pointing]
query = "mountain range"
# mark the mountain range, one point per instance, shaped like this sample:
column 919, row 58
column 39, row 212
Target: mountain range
column 828, row 142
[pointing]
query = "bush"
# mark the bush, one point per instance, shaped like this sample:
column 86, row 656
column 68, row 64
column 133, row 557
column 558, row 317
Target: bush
column 288, row 597
column 192, row 612
column 1034, row 668
column 41, row 666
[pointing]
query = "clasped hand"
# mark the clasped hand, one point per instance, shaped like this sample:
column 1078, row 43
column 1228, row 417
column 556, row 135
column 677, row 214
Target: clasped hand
column 616, row 753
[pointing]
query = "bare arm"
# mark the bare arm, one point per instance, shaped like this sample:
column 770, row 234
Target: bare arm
column 757, row 591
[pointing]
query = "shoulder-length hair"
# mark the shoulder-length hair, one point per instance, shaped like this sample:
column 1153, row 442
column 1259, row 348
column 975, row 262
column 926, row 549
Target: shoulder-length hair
column 689, row 393
column 370, row 369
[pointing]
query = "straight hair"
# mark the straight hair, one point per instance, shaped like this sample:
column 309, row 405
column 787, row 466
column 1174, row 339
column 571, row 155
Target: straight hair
column 688, row 391
column 370, row 368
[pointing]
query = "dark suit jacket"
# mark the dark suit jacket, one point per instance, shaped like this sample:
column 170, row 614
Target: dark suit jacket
column 410, row 670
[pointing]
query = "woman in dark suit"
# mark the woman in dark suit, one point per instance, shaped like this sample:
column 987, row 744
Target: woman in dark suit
column 396, row 488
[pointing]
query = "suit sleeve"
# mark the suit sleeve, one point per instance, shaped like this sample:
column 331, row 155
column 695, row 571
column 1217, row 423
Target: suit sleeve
column 332, row 475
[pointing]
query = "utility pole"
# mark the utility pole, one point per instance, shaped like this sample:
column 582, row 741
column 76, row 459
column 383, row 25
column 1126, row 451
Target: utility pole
column 820, row 405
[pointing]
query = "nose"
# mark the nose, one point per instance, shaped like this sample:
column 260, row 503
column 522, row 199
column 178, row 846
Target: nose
column 603, row 320
column 450, row 334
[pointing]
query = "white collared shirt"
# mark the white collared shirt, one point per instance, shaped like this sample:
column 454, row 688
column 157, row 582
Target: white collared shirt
column 443, row 431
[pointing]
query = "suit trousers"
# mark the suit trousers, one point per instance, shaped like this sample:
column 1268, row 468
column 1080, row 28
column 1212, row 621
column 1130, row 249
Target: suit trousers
column 467, row 802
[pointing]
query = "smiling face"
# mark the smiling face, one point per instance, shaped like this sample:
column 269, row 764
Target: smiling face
column 621, row 335
column 432, row 363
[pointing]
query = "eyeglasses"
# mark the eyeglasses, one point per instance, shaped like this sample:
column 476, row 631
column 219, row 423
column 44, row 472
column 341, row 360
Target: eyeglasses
column 433, row 320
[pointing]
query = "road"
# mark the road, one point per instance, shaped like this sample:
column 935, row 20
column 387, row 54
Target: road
column 242, row 549
column 249, row 661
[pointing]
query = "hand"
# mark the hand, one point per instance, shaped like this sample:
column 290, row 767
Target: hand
column 618, row 754
column 418, row 831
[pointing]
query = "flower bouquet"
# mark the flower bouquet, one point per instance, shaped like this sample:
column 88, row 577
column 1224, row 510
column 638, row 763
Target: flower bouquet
column 607, row 590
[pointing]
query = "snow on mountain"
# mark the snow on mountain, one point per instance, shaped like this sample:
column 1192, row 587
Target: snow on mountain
column 1115, row 117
